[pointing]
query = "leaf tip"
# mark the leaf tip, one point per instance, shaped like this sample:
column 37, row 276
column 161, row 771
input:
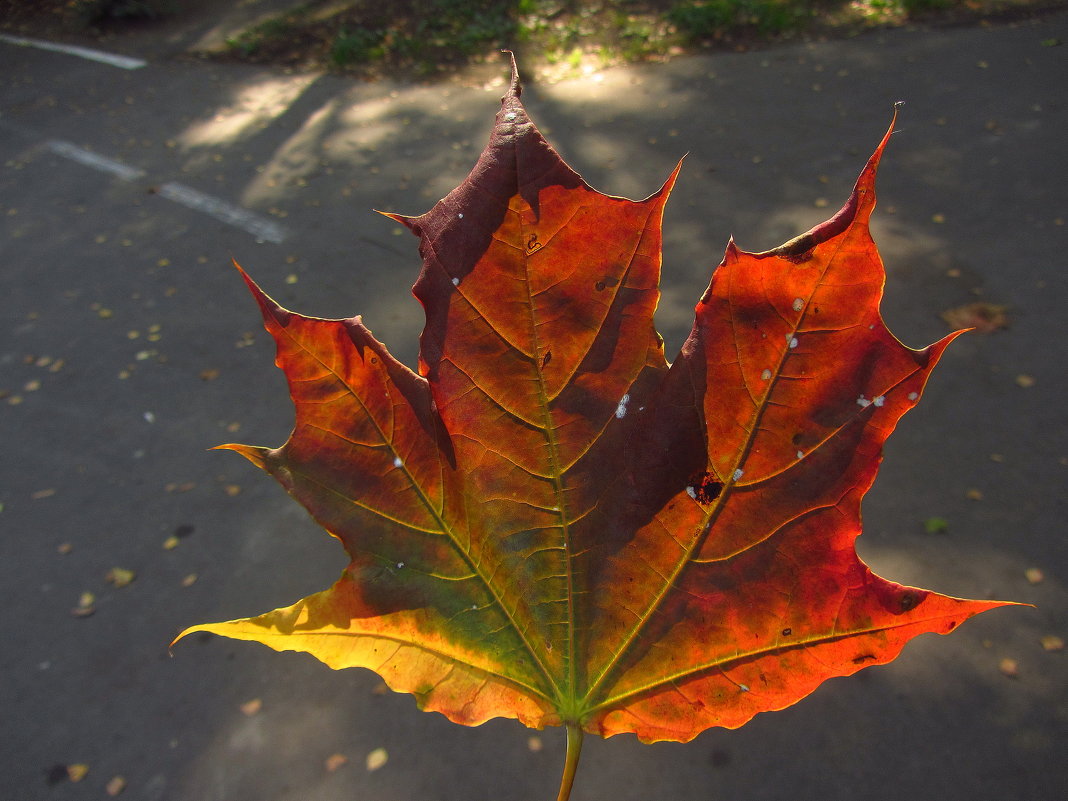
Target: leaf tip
column 270, row 309
column 181, row 635
column 258, row 456
column 515, row 88
column 403, row 219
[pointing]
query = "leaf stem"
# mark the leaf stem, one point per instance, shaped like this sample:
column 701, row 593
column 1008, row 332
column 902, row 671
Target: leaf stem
column 574, row 749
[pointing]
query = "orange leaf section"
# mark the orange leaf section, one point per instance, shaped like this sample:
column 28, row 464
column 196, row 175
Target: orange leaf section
column 550, row 523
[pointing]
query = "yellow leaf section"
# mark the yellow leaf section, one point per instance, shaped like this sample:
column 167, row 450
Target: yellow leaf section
column 407, row 648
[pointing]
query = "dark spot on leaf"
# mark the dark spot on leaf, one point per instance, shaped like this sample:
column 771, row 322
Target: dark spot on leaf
column 605, row 282
column 56, row 774
column 548, row 357
column 908, row 601
column 787, row 632
column 706, row 487
column 374, row 360
column 862, row 658
column 184, row 530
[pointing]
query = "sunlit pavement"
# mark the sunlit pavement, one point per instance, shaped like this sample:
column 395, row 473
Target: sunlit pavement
column 130, row 346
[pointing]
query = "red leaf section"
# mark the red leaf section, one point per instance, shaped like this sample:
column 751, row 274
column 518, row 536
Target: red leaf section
column 550, row 523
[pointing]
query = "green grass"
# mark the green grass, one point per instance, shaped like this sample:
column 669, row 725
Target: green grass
column 425, row 37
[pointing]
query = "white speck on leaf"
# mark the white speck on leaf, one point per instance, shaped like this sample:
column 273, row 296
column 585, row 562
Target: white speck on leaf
column 863, row 402
column 879, row 400
column 400, row 565
column 397, row 461
column 621, row 409
column 510, row 115
column 913, row 396
column 738, row 474
column 766, row 375
column 456, row 282
column 800, row 454
column 799, row 304
column 691, row 492
column 460, row 216
column 792, row 341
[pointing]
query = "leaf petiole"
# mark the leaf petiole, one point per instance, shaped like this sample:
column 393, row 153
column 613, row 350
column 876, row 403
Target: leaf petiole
column 574, row 749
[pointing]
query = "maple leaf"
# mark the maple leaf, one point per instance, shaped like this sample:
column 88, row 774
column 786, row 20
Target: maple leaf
column 551, row 523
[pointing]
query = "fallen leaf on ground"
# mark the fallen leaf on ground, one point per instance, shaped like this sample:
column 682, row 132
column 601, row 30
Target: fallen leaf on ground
column 335, row 761
column 936, row 525
column 170, row 543
column 1024, row 380
column 115, row 786
column 120, row 577
column 252, row 707
column 64, row 548
column 377, row 759
column 189, row 580
column 1051, row 642
column 534, row 743
column 86, row 605
column 77, row 771
column 983, row 317
column 974, row 494
column 1034, row 575
column 1009, row 668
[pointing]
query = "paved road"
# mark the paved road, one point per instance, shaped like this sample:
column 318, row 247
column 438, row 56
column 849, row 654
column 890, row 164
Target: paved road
column 129, row 347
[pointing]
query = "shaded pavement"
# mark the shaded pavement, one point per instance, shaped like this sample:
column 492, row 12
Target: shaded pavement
column 129, row 347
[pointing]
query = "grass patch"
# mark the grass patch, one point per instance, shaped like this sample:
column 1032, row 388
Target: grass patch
column 422, row 38
column 553, row 38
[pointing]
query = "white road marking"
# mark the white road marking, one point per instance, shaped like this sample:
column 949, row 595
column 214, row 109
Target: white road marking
column 122, row 62
column 94, row 160
column 228, row 213
column 260, row 227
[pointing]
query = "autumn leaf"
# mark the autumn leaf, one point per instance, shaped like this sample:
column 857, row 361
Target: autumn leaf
column 548, row 521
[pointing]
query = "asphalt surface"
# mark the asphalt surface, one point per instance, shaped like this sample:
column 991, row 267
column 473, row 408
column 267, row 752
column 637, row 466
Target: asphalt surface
column 129, row 347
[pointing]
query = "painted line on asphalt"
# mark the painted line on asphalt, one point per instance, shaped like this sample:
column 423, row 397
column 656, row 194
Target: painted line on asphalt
column 94, row 160
column 260, row 227
column 228, row 213
column 122, row 62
